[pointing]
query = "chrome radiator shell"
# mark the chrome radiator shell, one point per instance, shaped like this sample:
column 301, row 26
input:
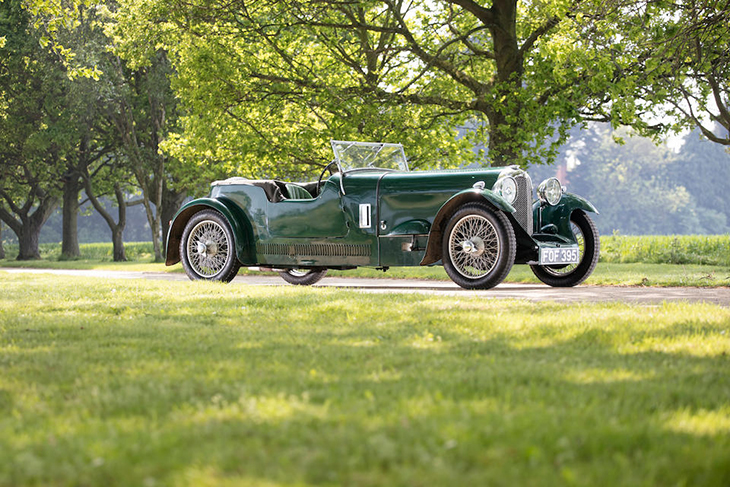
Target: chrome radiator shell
column 523, row 205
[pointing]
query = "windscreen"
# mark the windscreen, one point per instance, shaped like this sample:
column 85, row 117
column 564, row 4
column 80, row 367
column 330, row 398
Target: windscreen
column 359, row 155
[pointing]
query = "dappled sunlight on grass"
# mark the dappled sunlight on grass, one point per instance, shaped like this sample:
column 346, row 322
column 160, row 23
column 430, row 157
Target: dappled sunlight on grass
column 702, row 422
column 596, row 375
column 132, row 382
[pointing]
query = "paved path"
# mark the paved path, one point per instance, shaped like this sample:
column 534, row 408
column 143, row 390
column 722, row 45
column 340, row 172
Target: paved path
column 531, row 292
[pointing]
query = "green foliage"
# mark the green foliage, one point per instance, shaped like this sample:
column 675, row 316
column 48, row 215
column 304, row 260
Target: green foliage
column 268, row 82
column 644, row 189
column 134, row 383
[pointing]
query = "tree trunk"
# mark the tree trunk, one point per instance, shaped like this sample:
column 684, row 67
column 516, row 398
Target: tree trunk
column 30, row 231
column 70, row 243
column 28, row 242
column 2, row 249
column 502, row 149
column 171, row 202
column 118, row 244
column 117, row 228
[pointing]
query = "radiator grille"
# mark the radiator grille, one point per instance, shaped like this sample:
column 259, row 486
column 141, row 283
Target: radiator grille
column 314, row 250
column 523, row 205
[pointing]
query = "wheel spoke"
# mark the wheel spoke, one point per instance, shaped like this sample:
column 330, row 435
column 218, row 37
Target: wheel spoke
column 208, row 250
column 474, row 246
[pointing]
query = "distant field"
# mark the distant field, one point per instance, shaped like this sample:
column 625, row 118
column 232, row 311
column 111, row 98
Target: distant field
column 683, row 249
column 120, row 383
column 701, row 261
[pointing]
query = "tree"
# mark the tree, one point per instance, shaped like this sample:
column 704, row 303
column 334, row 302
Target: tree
column 353, row 68
column 111, row 173
column 144, row 113
column 679, row 76
column 34, row 131
column 2, row 249
column 114, row 107
column 634, row 186
column 87, row 101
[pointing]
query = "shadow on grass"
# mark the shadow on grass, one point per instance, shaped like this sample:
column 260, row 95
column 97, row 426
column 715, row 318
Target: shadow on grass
column 310, row 389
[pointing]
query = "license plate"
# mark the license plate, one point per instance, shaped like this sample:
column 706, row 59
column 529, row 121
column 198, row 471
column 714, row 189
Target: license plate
column 562, row 255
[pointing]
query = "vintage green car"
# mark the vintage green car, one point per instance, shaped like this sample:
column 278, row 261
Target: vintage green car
column 371, row 211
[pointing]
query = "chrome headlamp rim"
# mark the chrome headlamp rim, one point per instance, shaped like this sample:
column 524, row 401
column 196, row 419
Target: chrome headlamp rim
column 550, row 191
column 506, row 187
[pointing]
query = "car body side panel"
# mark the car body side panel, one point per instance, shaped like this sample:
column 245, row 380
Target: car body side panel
column 306, row 233
column 320, row 217
column 409, row 203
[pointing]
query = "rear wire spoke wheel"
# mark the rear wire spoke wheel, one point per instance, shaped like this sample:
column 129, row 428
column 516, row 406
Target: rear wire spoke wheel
column 303, row 277
column 478, row 247
column 586, row 234
column 207, row 249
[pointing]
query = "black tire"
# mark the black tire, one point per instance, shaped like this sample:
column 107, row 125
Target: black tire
column 303, row 277
column 208, row 249
column 571, row 275
column 478, row 247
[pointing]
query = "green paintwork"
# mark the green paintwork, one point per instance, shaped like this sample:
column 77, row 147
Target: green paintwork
column 559, row 216
column 235, row 216
column 408, row 211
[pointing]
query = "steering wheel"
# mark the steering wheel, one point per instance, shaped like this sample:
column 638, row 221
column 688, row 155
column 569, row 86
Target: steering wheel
column 321, row 175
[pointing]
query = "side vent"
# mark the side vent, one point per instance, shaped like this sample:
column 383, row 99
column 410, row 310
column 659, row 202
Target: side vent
column 314, row 250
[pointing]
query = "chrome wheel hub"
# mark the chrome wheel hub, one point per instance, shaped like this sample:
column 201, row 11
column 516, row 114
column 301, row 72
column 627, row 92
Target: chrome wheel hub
column 474, row 246
column 209, row 248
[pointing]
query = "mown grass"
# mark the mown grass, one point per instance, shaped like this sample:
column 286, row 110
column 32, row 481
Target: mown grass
column 195, row 384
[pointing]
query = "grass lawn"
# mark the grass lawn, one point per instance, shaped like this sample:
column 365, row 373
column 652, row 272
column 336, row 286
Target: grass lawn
column 199, row 384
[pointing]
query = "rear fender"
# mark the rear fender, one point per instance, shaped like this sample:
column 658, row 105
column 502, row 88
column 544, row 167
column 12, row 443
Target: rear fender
column 236, row 218
column 433, row 247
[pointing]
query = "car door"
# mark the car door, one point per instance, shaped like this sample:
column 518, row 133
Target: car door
column 320, row 217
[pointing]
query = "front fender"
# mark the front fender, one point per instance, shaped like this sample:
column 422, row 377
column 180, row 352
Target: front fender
column 236, row 218
column 559, row 215
column 433, row 247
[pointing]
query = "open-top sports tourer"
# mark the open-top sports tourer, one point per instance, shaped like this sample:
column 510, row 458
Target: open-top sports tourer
column 370, row 210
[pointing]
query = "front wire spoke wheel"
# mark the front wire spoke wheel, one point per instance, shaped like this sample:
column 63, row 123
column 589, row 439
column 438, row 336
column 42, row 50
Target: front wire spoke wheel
column 479, row 246
column 471, row 258
column 586, row 236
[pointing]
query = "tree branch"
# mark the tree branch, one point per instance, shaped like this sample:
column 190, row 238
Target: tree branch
column 485, row 15
column 537, row 33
